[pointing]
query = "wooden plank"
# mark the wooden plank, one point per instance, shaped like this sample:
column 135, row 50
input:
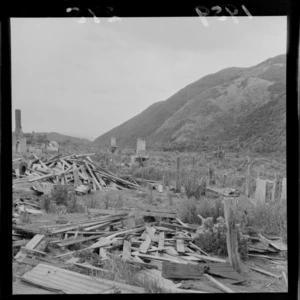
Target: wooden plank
column 163, row 258
column 145, row 245
column 257, row 269
column 102, row 225
column 73, row 282
column 279, row 245
column 284, row 277
column 172, row 270
column 197, row 248
column 219, row 284
column 48, row 176
column 161, row 240
column 94, row 178
column 127, row 231
column 200, row 285
column 175, row 226
column 101, row 243
column 126, row 254
column 101, row 181
column 180, row 246
column 151, row 233
column 76, row 241
column 93, row 268
column 208, row 258
column 265, row 256
column 231, row 235
column 30, row 245
column 180, row 222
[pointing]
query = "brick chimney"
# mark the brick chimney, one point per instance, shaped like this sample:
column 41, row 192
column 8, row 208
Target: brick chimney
column 18, row 121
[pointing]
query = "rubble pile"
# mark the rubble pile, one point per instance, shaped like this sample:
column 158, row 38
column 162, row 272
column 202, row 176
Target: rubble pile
column 76, row 170
column 163, row 251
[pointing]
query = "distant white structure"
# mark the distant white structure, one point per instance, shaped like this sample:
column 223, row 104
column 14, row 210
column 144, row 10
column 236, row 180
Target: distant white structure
column 113, row 142
column 53, row 146
column 140, row 147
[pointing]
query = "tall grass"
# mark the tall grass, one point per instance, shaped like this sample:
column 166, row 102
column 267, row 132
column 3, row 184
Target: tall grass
column 270, row 217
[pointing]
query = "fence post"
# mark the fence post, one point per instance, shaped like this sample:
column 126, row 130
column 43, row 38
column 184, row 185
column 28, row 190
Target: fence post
column 248, row 182
column 232, row 244
column 177, row 173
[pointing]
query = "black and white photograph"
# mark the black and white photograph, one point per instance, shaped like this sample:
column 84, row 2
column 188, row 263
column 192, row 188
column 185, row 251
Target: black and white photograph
column 149, row 153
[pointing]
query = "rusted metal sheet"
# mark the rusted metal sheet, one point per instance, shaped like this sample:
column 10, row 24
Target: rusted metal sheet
column 69, row 282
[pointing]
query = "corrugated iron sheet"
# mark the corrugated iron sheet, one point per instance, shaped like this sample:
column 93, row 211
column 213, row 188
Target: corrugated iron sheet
column 74, row 283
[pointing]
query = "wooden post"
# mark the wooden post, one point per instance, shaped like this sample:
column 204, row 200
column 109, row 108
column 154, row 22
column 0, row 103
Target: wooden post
column 275, row 188
column 260, row 192
column 210, row 172
column 248, row 182
column 232, row 245
column 177, row 173
column 283, row 189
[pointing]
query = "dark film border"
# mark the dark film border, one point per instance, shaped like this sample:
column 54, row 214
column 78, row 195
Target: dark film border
column 63, row 9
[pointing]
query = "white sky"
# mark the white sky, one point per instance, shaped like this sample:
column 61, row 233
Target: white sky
column 85, row 79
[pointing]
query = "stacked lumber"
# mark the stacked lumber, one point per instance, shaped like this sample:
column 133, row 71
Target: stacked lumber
column 76, row 170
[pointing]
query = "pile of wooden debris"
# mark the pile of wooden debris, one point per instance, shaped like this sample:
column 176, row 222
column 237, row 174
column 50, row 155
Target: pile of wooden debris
column 77, row 170
column 162, row 251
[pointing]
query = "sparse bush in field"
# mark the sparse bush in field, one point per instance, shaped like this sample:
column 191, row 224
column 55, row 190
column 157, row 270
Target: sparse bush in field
column 113, row 199
column 212, row 238
column 211, row 208
column 94, row 200
column 188, row 211
column 60, row 194
column 74, row 207
column 122, row 271
column 170, row 198
column 47, row 205
column 89, row 256
column 112, row 167
column 106, row 201
column 270, row 218
column 117, row 200
column 149, row 173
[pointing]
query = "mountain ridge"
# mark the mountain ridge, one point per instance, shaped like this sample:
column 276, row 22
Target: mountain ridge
column 209, row 107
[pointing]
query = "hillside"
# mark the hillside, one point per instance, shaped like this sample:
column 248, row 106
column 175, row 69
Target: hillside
column 61, row 138
column 248, row 103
